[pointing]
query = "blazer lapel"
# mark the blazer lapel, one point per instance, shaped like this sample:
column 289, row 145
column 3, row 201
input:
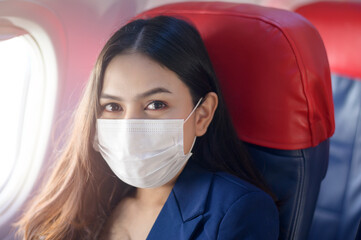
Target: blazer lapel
column 184, row 208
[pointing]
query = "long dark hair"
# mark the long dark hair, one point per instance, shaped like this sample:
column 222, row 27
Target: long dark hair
column 82, row 190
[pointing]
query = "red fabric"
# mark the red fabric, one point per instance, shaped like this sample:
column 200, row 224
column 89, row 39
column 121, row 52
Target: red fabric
column 272, row 67
column 339, row 24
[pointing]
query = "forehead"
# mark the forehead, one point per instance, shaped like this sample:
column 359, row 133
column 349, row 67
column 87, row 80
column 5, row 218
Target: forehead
column 131, row 74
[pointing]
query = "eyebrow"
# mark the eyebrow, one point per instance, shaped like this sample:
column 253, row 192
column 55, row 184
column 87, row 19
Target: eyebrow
column 141, row 95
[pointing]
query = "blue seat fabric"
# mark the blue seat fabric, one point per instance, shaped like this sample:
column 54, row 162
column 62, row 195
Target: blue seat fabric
column 338, row 208
column 294, row 176
column 358, row 235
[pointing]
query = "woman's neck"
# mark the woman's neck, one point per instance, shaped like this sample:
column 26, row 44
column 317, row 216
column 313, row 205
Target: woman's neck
column 153, row 197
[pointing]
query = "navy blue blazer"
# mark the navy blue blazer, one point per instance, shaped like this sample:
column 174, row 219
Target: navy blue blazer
column 206, row 205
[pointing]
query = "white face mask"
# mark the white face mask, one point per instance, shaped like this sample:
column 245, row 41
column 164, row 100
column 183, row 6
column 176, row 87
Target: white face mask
column 144, row 153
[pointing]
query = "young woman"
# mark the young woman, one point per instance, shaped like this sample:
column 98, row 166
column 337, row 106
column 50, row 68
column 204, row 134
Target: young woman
column 153, row 153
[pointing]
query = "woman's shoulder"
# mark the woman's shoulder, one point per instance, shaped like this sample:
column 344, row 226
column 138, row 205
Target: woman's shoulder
column 227, row 190
column 220, row 190
column 229, row 207
column 241, row 209
column 235, row 186
column 219, row 185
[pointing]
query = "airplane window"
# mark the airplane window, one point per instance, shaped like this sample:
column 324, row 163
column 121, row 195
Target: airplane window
column 15, row 70
column 21, row 102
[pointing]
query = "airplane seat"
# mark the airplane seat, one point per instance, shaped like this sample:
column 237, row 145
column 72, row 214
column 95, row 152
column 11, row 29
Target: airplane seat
column 275, row 78
column 358, row 235
column 338, row 209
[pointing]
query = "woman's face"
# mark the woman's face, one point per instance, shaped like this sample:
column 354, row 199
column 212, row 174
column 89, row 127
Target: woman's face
column 136, row 87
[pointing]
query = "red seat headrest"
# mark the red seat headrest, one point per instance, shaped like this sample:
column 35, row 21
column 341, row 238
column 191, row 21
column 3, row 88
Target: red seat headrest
column 339, row 24
column 272, row 67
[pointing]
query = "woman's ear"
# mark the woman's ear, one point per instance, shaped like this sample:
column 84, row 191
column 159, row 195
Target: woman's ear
column 205, row 113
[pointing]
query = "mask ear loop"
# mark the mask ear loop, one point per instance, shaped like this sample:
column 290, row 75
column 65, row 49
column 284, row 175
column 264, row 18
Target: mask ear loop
column 199, row 101
column 194, row 141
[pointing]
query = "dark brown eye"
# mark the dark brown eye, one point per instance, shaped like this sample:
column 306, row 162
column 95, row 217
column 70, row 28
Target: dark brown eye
column 156, row 105
column 112, row 107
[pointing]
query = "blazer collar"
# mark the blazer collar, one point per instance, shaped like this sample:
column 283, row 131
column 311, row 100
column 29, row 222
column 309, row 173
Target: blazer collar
column 184, row 208
column 191, row 190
